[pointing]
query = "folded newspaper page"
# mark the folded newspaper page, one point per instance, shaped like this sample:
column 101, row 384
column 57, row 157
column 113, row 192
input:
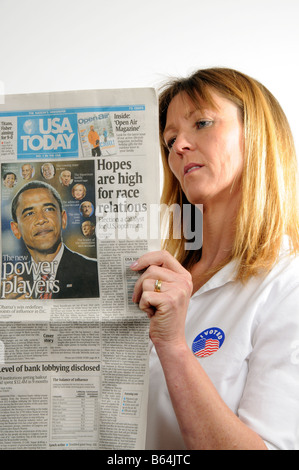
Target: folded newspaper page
column 79, row 204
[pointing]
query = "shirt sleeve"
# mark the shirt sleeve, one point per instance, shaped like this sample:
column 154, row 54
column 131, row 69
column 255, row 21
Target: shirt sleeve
column 270, row 402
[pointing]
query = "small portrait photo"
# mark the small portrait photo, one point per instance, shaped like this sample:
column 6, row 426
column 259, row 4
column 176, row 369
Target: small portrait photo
column 88, row 228
column 65, row 177
column 9, row 179
column 27, row 171
column 86, row 209
column 48, row 171
column 79, row 191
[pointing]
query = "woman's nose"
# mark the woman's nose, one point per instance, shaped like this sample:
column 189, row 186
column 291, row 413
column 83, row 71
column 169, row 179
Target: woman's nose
column 182, row 143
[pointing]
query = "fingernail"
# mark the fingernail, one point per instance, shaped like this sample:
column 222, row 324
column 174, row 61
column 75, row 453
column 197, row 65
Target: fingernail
column 133, row 265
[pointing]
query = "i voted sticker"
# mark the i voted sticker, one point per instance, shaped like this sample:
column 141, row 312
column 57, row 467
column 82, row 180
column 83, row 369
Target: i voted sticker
column 208, row 342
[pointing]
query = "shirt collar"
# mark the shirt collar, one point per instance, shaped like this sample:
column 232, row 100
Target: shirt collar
column 223, row 276
column 228, row 272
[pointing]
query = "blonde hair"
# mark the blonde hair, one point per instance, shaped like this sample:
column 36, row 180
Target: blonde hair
column 269, row 204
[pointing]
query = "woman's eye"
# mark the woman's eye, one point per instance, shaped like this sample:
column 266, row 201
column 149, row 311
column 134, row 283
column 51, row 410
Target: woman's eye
column 170, row 143
column 203, row 123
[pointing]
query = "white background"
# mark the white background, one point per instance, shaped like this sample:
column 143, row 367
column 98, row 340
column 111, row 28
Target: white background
column 51, row 45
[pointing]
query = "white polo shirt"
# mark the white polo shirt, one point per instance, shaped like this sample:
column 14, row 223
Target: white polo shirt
column 247, row 340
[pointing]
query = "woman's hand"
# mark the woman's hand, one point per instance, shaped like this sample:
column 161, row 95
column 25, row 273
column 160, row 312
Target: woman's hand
column 168, row 307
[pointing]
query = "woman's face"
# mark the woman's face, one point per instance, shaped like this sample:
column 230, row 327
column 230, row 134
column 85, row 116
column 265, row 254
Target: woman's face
column 205, row 147
column 79, row 192
column 10, row 181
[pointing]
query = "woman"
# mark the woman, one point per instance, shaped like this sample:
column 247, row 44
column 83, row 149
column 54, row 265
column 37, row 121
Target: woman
column 79, row 191
column 225, row 319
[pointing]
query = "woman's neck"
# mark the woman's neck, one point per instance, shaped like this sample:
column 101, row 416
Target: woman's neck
column 218, row 237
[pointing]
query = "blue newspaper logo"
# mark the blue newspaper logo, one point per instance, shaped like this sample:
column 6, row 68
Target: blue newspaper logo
column 40, row 136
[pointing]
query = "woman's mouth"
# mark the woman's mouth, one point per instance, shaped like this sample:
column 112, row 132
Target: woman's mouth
column 192, row 167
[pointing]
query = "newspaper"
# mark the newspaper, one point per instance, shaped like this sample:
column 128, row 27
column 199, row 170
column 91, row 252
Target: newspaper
column 79, row 179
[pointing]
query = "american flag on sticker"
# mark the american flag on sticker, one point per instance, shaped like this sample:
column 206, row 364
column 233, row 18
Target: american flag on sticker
column 208, row 342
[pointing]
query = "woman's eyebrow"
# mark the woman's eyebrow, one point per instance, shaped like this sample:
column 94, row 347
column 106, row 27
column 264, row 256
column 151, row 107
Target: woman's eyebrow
column 188, row 115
